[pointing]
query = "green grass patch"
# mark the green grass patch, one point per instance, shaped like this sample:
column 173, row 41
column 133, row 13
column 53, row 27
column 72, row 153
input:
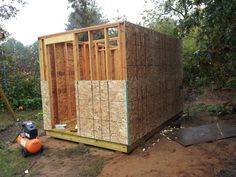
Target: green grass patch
column 94, row 168
column 214, row 110
column 79, row 150
column 11, row 161
column 5, row 121
column 36, row 116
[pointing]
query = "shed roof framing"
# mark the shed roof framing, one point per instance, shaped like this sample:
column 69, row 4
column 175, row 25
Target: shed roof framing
column 91, row 28
column 115, row 72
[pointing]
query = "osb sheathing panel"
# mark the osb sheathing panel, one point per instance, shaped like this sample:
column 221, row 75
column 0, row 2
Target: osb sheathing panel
column 102, row 110
column 47, row 122
column 154, row 74
column 62, row 89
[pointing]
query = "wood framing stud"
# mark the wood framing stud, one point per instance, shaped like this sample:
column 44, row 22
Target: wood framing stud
column 107, row 53
column 76, row 57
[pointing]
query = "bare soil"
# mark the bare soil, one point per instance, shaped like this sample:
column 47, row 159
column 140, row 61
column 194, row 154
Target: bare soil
column 63, row 158
column 167, row 158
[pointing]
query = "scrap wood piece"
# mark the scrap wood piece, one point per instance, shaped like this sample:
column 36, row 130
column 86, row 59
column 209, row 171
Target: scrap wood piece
column 7, row 103
column 205, row 133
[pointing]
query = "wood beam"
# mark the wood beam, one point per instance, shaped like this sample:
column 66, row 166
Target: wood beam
column 90, row 38
column 107, row 53
column 81, row 30
column 67, row 80
column 76, row 58
column 59, row 39
column 4, row 97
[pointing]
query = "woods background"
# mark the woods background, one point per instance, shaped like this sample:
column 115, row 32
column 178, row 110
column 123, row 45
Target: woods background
column 207, row 29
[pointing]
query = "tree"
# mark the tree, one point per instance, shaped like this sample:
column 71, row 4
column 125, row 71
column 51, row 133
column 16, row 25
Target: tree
column 19, row 75
column 214, row 26
column 119, row 17
column 22, row 59
column 9, row 10
column 84, row 13
column 178, row 10
column 166, row 25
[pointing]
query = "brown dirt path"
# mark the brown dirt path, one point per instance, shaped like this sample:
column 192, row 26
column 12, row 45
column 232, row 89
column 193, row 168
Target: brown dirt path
column 169, row 159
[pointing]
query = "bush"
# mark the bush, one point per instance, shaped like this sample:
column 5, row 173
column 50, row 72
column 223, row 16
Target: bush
column 214, row 110
column 219, row 110
column 23, row 94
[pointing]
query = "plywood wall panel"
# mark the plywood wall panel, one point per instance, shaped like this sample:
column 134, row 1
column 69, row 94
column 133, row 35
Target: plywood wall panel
column 103, row 104
column 117, row 111
column 46, row 105
column 117, row 91
column 98, row 129
column 86, row 127
column 106, row 130
column 152, row 64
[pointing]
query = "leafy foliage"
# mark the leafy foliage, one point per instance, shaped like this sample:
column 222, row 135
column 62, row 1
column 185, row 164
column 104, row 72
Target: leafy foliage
column 214, row 110
column 166, row 25
column 19, row 75
column 24, row 93
column 120, row 17
column 9, row 10
column 208, row 31
column 219, row 110
column 85, row 13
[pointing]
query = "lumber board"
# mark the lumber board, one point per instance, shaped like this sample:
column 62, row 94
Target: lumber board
column 59, row 39
column 67, row 79
column 90, row 54
column 47, row 120
column 41, row 59
column 107, row 53
column 76, row 58
column 71, row 136
column 74, row 137
column 71, row 79
column 61, row 82
column 91, row 28
column 50, row 72
column 4, row 97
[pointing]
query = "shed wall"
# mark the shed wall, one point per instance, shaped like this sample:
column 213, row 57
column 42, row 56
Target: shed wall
column 154, row 74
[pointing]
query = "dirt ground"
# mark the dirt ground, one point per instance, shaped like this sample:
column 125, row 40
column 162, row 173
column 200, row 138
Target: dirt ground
column 166, row 158
column 158, row 157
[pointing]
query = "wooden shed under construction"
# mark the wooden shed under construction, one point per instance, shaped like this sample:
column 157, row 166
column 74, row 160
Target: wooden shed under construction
column 111, row 84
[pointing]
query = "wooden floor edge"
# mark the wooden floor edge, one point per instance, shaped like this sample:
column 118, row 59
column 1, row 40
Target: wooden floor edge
column 72, row 136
